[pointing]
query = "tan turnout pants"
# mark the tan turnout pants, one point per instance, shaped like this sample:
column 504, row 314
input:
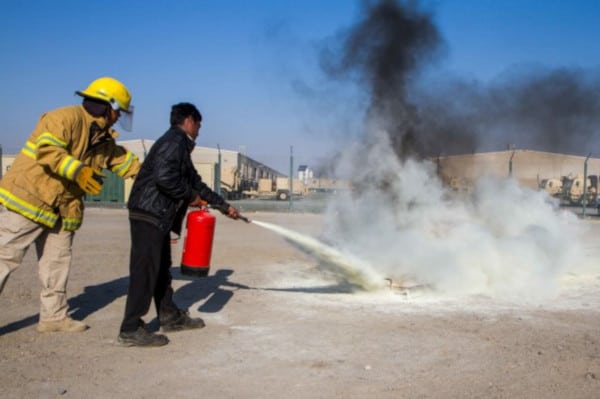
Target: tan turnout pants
column 53, row 247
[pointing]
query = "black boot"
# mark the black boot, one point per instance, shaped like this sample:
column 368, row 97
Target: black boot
column 142, row 337
column 180, row 321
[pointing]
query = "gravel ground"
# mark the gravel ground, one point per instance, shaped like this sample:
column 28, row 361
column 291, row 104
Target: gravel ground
column 279, row 327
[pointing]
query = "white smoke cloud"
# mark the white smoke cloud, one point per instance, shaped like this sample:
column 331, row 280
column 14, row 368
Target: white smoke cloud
column 503, row 241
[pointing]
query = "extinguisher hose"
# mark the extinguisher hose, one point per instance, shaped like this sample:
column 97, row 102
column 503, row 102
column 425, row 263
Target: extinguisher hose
column 223, row 210
column 244, row 218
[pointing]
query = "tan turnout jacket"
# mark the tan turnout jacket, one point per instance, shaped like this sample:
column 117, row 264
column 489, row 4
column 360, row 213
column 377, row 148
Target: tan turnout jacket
column 40, row 184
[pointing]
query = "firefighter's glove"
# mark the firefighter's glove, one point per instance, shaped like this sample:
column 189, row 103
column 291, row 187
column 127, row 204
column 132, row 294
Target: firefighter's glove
column 89, row 180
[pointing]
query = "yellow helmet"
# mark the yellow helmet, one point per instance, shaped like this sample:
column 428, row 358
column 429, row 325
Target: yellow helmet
column 110, row 90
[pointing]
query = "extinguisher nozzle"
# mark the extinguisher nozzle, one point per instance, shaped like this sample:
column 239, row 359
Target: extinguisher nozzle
column 245, row 219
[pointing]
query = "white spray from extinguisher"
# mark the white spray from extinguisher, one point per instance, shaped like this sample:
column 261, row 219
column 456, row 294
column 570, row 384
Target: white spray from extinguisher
column 354, row 270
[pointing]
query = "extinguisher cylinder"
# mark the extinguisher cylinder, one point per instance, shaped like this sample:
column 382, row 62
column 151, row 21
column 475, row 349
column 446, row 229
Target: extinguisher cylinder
column 197, row 245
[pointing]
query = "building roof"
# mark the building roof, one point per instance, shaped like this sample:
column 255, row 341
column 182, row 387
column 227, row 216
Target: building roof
column 140, row 147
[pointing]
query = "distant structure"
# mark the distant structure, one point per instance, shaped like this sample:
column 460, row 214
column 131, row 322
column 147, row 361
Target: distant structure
column 236, row 175
column 237, row 172
column 304, row 174
column 528, row 167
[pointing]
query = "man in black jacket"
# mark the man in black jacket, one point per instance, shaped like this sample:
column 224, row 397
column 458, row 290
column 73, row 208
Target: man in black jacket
column 166, row 185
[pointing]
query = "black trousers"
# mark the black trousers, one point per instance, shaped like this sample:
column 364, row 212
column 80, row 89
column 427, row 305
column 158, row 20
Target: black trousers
column 149, row 275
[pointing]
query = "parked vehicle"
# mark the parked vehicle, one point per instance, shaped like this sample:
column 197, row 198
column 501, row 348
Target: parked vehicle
column 573, row 189
column 277, row 188
column 553, row 186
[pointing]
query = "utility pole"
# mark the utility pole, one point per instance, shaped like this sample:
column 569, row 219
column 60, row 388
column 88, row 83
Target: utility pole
column 218, row 171
column 291, row 179
column 584, row 198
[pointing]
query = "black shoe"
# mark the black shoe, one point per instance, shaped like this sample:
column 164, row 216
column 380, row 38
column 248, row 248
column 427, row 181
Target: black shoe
column 181, row 321
column 142, row 337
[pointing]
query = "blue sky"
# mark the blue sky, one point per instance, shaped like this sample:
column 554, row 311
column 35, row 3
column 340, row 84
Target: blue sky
column 252, row 67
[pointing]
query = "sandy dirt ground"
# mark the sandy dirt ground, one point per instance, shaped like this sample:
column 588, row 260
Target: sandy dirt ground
column 278, row 327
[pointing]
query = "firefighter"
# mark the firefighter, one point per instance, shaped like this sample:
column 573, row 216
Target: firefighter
column 41, row 196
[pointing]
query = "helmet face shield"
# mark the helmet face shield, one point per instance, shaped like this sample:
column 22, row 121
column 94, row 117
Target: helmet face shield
column 126, row 119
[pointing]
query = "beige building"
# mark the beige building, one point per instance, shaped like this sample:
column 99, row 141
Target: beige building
column 238, row 172
column 529, row 167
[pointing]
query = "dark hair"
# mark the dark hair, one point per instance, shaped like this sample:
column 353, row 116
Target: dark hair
column 181, row 111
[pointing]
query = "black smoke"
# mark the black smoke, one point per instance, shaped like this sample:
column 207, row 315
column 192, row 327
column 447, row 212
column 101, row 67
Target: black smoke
column 555, row 110
column 382, row 52
column 535, row 108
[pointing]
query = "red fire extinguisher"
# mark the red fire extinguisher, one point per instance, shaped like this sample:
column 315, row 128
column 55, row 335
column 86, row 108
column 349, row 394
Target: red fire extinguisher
column 197, row 246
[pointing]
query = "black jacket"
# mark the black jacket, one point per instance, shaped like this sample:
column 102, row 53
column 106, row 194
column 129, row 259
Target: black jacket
column 167, row 182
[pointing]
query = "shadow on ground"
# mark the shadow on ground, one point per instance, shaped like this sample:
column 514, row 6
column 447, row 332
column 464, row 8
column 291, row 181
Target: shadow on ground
column 215, row 290
column 96, row 297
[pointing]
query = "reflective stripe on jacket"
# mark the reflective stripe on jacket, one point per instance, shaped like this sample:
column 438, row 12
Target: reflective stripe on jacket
column 40, row 183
